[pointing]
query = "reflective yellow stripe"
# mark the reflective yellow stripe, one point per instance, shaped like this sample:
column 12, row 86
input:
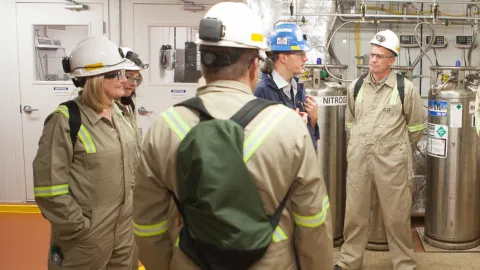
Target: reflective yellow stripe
column 360, row 95
column 64, row 110
column 279, row 235
column 177, row 241
column 150, row 230
column 253, row 141
column 394, row 97
column 416, row 128
column 258, row 135
column 176, row 123
column 86, row 139
column 315, row 220
column 349, row 124
column 51, row 191
column 83, row 133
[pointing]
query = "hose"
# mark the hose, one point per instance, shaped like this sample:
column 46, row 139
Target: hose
column 472, row 46
column 424, row 52
column 328, row 48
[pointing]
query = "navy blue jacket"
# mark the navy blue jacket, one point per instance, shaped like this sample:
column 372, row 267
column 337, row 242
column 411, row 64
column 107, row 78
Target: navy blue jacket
column 267, row 89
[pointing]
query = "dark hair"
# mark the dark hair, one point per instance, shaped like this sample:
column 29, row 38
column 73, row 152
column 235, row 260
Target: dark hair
column 230, row 72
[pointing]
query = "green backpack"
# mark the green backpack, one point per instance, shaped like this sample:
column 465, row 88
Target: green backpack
column 224, row 222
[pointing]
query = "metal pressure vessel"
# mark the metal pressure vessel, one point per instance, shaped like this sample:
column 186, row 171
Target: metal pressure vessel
column 453, row 187
column 331, row 98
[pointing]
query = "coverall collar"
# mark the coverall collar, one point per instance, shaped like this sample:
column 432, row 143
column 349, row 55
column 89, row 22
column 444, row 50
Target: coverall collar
column 224, row 86
column 390, row 81
column 91, row 115
column 281, row 83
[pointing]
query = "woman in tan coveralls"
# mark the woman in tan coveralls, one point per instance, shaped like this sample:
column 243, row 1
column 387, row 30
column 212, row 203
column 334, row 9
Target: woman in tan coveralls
column 85, row 191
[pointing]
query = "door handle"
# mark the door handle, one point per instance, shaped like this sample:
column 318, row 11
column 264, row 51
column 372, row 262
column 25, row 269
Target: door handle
column 27, row 109
column 143, row 111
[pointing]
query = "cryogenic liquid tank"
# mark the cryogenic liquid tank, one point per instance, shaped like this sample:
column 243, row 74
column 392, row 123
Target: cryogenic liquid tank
column 453, row 189
column 331, row 98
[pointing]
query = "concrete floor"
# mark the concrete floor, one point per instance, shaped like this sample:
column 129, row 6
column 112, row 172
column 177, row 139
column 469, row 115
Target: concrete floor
column 24, row 243
column 425, row 261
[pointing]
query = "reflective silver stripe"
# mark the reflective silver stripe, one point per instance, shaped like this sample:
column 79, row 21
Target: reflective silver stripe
column 279, row 235
column 150, row 230
column 315, row 220
column 176, row 123
column 258, row 135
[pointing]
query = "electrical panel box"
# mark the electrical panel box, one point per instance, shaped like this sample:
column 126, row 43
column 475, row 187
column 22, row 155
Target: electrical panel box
column 47, row 43
column 439, row 42
column 408, row 41
column 463, row 42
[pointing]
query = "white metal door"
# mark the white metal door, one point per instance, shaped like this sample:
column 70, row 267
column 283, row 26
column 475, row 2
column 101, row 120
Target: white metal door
column 155, row 25
column 46, row 32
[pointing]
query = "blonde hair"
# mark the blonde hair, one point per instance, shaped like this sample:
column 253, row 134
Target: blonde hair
column 93, row 94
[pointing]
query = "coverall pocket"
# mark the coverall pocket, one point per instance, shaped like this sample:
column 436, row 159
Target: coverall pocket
column 387, row 115
column 99, row 167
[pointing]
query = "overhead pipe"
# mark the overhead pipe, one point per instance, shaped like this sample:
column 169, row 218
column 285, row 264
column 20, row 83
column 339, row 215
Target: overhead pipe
column 389, row 16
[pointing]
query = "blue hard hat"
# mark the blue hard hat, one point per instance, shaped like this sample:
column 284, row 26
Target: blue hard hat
column 287, row 37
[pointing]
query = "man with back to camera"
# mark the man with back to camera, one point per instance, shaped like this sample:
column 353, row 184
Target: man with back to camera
column 385, row 116
column 280, row 160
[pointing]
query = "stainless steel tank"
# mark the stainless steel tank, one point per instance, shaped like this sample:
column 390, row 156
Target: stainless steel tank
column 332, row 152
column 453, row 187
column 377, row 237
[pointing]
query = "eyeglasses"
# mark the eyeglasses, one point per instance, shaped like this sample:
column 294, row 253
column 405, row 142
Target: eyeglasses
column 379, row 56
column 117, row 74
column 301, row 54
column 137, row 80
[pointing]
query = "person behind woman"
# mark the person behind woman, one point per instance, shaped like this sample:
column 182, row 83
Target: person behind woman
column 286, row 59
column 84, row 189
column 127, row 103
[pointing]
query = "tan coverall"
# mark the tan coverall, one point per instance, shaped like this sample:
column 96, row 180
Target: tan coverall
column 477, row 111
column 88, row 201
column 380, row 153
column 131, row 118
column 284, row 158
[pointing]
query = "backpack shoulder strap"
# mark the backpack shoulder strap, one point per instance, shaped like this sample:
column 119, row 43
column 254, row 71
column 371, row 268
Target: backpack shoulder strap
column 401, row 87
column 250, row 110
column 358, row 85
column 74, row 120
column 197, row 105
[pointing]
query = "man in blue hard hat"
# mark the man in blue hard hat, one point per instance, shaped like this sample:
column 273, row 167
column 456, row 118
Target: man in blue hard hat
column 286, row 59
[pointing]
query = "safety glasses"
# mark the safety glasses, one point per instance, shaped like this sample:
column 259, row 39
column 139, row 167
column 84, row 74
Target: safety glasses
column 117, row 74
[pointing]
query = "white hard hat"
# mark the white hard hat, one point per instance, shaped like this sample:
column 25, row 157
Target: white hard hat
column 125, row 50
column 94, row 56
column 388, row 40
column 242, row 28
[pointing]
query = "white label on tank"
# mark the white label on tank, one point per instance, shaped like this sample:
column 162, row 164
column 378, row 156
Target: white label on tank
column 471, row 107
column 331, row 100
column 437, row 147
column 437, row 140
column 456, row 115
